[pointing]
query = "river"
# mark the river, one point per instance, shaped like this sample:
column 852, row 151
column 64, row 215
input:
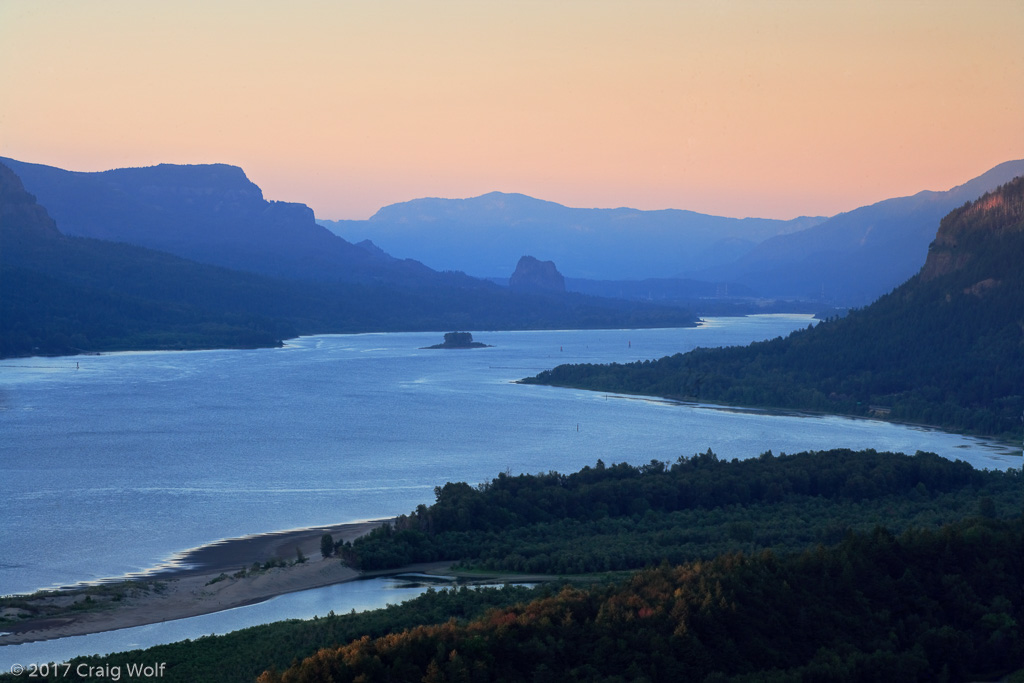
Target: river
column 114, row 463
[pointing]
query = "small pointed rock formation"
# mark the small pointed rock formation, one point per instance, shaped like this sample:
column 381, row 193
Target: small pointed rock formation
column 536, row 276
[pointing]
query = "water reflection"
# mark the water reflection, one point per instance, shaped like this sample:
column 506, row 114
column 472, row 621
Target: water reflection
column 342, row 598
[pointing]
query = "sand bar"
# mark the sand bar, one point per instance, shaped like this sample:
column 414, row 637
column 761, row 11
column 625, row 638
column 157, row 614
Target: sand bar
column 187, row 588
column 232, row 554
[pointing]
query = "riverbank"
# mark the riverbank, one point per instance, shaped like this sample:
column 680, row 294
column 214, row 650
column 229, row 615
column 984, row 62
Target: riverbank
column 1008, row 441
column 208, row 579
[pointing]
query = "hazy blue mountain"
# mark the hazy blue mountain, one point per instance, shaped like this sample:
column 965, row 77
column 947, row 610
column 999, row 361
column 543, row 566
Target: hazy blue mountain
column 63, row 294
column 849, row 259
column 855, row 257
column 212, row 214
column 486, row 235
column 944, row 348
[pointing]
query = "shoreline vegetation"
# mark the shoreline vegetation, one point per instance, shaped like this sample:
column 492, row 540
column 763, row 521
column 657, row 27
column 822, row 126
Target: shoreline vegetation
column 223, row 575
column 242, row 571
column 553, row 378
column 1008, row 441
column 622, row 517
column 728, row 538
column 940, row 349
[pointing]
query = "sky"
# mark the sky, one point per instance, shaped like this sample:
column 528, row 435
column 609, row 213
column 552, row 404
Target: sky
column 737, row 108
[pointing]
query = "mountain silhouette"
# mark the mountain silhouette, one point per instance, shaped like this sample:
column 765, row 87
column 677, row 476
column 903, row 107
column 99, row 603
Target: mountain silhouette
column 853, row 258
column 849, row 259
column 212, row 214
column 943, row 348
column 66, row 294
column 486, row 235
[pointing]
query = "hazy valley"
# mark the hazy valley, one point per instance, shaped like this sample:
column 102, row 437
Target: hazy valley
column 471, row 342
column 849, row 259
column 193, row 257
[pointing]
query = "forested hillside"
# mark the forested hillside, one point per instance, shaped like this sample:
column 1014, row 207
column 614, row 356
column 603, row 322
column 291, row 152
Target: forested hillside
column 943, row 349
column 207, row 213
column 64, row 295
column 621, row 517
column 240, row 656
column 926, row 606
column 835, row 565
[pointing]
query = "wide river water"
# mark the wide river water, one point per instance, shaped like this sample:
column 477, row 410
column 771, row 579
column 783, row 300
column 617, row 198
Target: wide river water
column 111, row 464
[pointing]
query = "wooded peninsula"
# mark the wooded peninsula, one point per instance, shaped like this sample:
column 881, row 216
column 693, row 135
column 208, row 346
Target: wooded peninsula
column 844, row 565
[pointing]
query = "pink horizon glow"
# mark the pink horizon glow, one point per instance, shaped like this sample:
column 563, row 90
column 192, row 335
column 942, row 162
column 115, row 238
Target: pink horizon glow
column 732, row 108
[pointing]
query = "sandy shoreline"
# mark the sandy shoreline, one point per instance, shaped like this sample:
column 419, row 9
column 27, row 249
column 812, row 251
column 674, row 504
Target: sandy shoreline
column 188, row 590
column 232, row 554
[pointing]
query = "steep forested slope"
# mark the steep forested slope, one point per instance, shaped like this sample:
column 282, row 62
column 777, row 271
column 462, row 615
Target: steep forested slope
column 927, row 605
column 821, row 592
column 64, row 294
column 944, row 348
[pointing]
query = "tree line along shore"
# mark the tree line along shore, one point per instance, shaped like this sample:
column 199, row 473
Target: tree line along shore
column 740, row 539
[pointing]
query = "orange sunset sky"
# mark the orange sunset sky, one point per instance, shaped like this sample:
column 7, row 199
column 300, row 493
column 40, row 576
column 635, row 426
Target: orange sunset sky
column 772, row 109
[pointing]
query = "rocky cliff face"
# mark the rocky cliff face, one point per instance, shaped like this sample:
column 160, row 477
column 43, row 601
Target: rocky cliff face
column 533, row 275
column 964, row 233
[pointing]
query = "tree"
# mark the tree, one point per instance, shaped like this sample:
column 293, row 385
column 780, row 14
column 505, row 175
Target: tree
column 326, row 545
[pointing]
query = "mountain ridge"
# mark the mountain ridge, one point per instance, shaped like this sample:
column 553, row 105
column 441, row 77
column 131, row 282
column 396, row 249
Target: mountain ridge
column 846, row 260
column 858, row 255
column 209, row 213
column 64, row 294
column 485, row 236
column 942, row 349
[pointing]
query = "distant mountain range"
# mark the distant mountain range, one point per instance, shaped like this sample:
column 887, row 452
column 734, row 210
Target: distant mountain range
column 211, row 214
column 270, row 271
column 944, row 348
column 194, row 257
column 65, row 295
column 855, row 257
column 485, row 236
column 849, row 259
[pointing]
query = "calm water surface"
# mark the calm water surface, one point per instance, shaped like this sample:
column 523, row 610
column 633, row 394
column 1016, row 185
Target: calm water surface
column 340, row 598
column 112, row 464
column 113, row 467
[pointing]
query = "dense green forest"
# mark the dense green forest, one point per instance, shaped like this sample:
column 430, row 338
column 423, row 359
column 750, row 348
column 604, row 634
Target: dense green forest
column 928, row 605
column 835, row 565
column 240, row 656
column 943, row 349
column 620, row 517
column 801, row 546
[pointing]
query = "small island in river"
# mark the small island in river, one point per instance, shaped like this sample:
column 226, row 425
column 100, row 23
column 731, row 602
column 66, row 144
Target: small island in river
column 459, row 340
